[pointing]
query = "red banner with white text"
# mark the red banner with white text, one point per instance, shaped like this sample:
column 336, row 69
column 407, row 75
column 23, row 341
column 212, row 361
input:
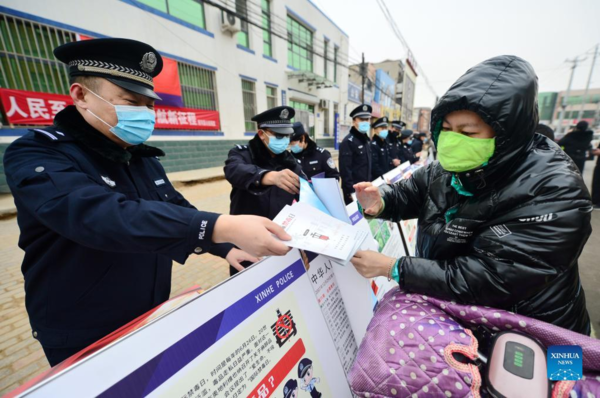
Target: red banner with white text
column 32, row 108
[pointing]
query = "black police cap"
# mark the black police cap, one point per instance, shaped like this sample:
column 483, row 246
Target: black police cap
column 289, row 388
column 303, row 367
column 399, row 124
column 298, row 131
column 363, row 111
column 381, row 122
column 129, row 64
column 406, row 133
column 276, row 119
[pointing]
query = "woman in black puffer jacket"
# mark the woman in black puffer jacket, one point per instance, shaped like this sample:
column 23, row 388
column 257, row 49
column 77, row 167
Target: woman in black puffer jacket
column 506, row 225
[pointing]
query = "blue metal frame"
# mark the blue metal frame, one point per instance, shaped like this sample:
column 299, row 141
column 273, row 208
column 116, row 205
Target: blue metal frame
column 329, row 19
column 300, row 19
column 154, row 11
column 248, row 78
column 86, row 32
column 243, row 48
column 269, row 58
column 50, row 22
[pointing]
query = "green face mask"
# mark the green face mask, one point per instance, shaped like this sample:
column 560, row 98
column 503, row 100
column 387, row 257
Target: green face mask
column 458, row 153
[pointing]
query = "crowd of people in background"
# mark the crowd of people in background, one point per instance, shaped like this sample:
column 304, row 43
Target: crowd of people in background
column 577, row 143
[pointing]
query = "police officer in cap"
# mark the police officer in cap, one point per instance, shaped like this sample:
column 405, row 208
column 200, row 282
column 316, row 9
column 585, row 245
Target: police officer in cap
column 314, row 159
column 355, row 151
column 381, row 162
column 394, row 141
column 264, row 176
column 100, row 222
column 290, row 390
column 417, row 144
column 406, row 154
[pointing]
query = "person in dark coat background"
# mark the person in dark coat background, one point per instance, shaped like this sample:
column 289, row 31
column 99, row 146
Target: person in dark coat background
column 596, row 180
column 394, row 141
column 381, row 162
column 100, row 222
column 406, row 154
column 355, row 151
column 264, row 175
column 577, row 144
column 313, row 159
column 545, row 131
column 417, row 143
column 503, row 215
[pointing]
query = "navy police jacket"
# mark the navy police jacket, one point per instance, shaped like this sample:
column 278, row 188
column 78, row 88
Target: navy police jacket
column 244, row 169
column 393, row 145
column 315, row 160
column 381, row 161
column 355, row 161
column 406, row 154
column 100, row 227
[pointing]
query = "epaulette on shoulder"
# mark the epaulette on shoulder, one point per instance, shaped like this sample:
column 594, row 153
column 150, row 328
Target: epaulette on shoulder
column 350, row 138
column 50, row 134
column 320, row 149
column 241, row 147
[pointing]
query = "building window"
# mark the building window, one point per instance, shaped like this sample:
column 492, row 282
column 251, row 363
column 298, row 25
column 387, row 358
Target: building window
column 241, row 7
column 271, row 97
column 26, row 58
column 300, row 45
column 335, row 64
column 325, row 52
column 249, row 97
column 301, row 106
column 190, row 11
column 198, row 87
column 326, row 128
column 266, row 23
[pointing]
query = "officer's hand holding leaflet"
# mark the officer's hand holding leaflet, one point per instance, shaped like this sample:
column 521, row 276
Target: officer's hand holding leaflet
column 285, row 179
column 252, row 234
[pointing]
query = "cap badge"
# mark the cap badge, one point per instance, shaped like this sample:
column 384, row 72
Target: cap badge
column 365, row 108
column 284, row 114
column 148, row 62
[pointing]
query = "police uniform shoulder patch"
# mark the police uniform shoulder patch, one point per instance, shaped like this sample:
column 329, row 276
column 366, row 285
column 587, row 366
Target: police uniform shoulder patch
column 320, row 149
column 331, row 163
column 49, row 134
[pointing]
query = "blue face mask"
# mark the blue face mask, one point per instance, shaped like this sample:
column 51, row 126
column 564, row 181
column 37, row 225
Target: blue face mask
column 364, row 127
column 278, row 145
column 410, row 142
column 135, row 124
column 296, row 148
column 383, row 134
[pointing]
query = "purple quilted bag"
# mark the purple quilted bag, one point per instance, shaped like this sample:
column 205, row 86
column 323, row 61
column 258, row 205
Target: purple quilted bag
column 409, row 345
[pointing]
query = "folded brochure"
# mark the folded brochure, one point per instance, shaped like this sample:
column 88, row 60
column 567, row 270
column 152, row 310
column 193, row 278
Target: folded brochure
column 320, row 233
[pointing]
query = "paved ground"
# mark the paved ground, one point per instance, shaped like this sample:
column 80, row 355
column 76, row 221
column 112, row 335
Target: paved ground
column 21, row 356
